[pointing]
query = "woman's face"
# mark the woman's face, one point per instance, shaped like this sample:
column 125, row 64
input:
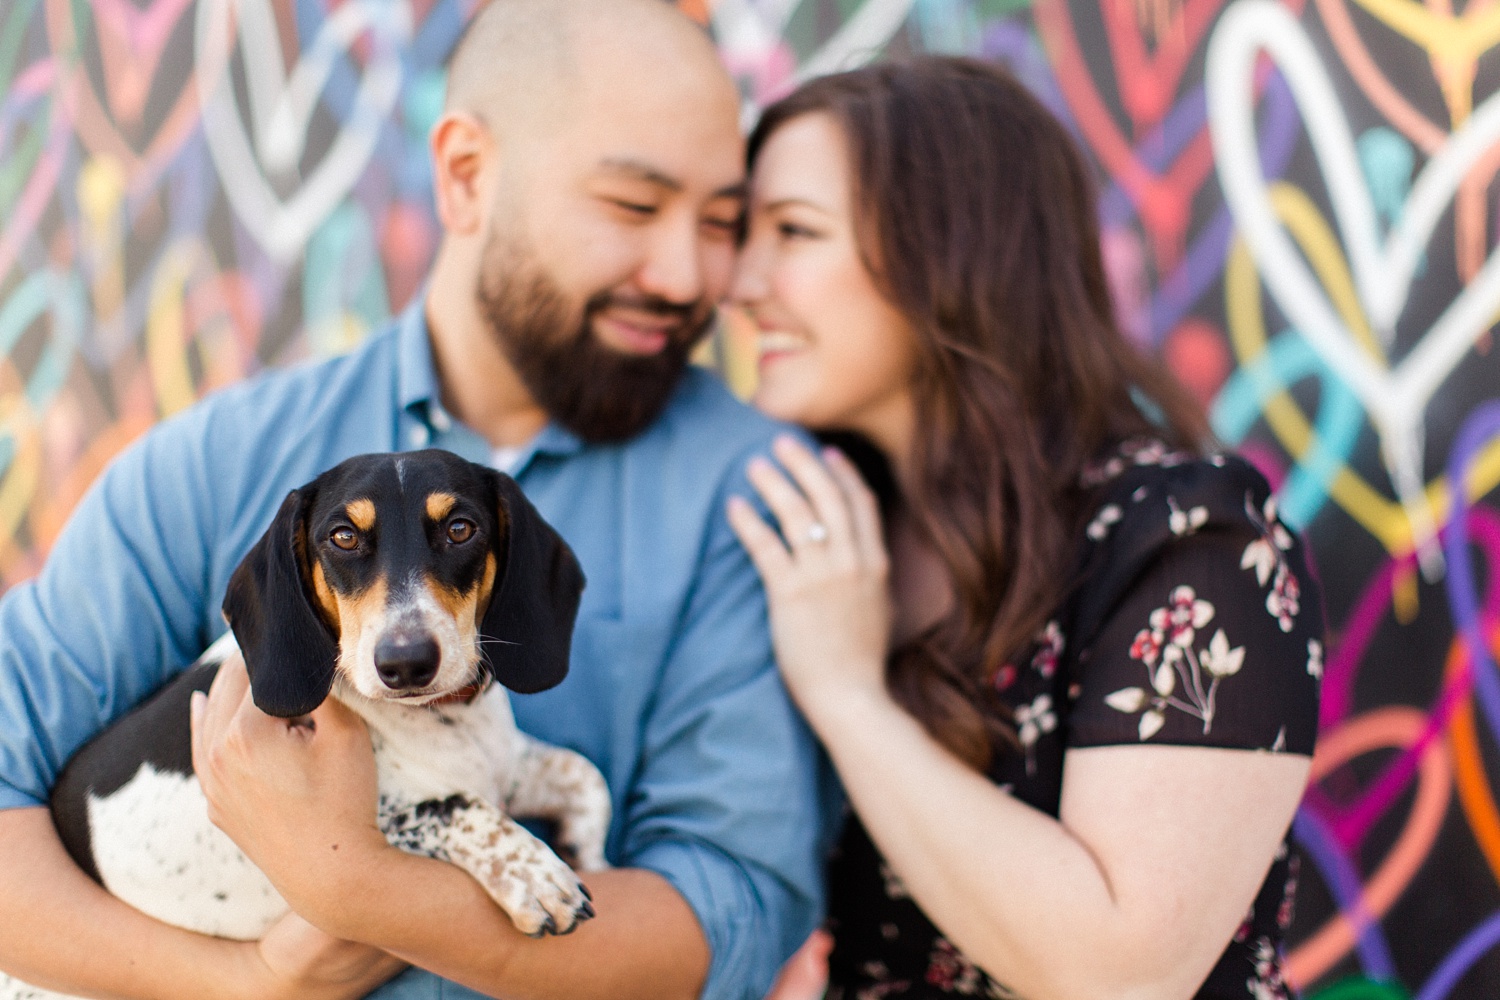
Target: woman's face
column 833, row 353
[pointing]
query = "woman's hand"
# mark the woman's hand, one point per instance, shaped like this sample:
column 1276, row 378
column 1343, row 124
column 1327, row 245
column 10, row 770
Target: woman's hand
column 296, row 960
column 298, row 797
column 826, row 575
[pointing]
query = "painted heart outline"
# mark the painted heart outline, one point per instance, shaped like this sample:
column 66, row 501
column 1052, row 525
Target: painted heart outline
column 751, row 35
column 1395, row 398
column 281, row 107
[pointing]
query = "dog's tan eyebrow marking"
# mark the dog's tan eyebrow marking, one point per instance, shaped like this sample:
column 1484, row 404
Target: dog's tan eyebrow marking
column 326, row 598
column 362, row 513
column 439, row 504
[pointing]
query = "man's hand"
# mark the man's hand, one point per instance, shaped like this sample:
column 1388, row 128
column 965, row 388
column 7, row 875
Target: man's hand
column 292, row 794
column 302, row 961
column 289, row 792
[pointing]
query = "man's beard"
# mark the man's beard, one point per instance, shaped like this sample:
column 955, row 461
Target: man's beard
column 596, row 392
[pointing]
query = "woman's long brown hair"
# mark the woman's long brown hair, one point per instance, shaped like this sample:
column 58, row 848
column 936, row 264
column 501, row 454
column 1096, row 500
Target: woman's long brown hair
column 976, row 217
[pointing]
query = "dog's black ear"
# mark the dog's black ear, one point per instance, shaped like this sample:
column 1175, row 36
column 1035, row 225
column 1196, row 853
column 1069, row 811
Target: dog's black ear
column 289, row 649
column 528, row 627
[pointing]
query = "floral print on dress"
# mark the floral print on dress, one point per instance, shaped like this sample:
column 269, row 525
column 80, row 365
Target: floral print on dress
column 1032, row 721
column 884, row 984
column 1315, row 659
column 1185, row 522
column 1137, row 451
column 1264, row 555
column 1108, row 515
column 1175, row 669
column 1050, row 645
column 950, row 970
column 1266, row 982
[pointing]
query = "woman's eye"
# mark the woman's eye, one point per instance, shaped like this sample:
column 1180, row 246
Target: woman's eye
column 344, row 538
column 790, row 230
column 460, row 531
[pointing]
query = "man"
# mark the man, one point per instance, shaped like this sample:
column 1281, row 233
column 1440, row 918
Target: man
column 588, row 175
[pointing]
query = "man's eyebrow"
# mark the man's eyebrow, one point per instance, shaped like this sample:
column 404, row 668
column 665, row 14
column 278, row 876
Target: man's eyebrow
column 651, row 175
column 640, row 171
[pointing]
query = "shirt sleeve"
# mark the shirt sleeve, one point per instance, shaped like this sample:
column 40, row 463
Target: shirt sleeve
column 1216, row 637
column 117, row 609
column 736, row 805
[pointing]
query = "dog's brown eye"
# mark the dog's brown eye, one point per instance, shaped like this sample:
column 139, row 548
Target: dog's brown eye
column 344, row 538
column 460, row 531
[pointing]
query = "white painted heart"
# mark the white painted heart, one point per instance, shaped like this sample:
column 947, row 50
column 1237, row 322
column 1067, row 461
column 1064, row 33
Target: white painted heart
column 748, row 34
column 281, row 107
column 1395, row 397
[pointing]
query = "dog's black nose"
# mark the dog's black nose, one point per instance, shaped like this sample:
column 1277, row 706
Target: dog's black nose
column 407, row 664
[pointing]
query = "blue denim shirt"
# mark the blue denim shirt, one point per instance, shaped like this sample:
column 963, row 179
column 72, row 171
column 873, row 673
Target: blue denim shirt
column 672, row 691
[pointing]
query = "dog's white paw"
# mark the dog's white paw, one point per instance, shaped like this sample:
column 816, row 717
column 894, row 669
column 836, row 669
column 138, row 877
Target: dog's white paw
column 533, row 885
column 540, row 892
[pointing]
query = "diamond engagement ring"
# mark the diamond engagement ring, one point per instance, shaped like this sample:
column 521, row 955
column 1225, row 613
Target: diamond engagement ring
column 817, row 533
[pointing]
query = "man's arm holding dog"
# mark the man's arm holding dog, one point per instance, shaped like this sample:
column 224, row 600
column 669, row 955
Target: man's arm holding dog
column 96, row 631
column 68, row 934
column 300, row 801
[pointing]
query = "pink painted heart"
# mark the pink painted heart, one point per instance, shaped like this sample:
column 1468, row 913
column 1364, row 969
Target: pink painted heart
column 131, row 41
column 130, row 44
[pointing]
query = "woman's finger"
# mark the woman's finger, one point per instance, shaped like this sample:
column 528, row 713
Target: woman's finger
column 792, row 511
column 864, row 509
column 767, row 551
column 823, row 492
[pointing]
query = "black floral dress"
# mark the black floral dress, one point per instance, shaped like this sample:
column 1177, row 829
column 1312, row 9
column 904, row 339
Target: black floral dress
column 1196, row 623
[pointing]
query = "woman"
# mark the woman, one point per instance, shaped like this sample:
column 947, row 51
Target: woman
column 1066, row 666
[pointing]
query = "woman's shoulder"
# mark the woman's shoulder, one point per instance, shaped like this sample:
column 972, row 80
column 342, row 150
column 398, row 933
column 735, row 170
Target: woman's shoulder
column 1185, row 565
column 1145, row 496
column 1210, row 515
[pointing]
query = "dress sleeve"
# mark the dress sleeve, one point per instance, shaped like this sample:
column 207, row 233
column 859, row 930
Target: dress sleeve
column 1209, row 630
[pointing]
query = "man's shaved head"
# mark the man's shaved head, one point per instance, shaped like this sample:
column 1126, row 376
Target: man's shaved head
column 589, row 171
column 524, row 61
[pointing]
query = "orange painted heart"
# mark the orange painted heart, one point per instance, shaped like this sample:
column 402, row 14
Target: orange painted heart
column 1393, row 727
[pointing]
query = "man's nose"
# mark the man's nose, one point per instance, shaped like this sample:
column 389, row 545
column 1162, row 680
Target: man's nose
column 673, row 268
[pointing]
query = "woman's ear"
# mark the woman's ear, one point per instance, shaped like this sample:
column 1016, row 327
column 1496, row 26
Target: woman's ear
column 528, row 627
column 289, row 650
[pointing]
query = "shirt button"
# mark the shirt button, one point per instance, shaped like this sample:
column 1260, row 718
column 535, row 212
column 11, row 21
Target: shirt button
column 420, row 436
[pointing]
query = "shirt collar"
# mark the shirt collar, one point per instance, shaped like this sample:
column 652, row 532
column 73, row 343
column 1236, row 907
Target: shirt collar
column 417, row 386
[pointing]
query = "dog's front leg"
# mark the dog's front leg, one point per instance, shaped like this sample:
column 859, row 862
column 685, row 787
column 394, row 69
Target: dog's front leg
column 561, row 785
column 540, row 893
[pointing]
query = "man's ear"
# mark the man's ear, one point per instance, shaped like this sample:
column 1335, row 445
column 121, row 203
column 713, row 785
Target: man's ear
column 461, row 146
column 289, row 649
column 528, row 627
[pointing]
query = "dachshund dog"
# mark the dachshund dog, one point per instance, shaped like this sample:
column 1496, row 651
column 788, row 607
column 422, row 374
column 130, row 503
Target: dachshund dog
column 403, row 585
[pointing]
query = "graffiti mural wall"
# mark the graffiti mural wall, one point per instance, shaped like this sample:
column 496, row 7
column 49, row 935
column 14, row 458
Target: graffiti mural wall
column 1299, row 211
